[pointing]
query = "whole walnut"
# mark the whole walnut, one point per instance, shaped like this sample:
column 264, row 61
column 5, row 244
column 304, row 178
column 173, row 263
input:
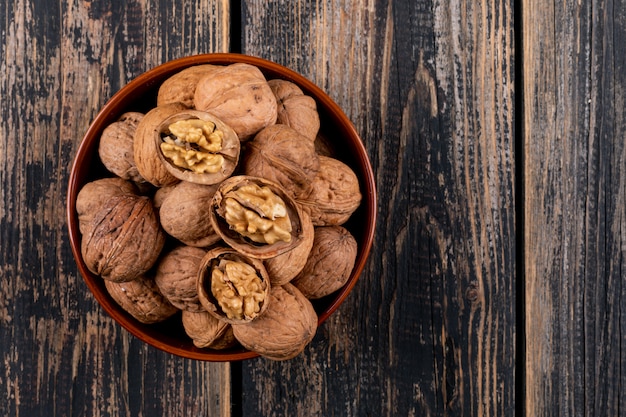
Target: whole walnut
column 239, row 95
column 180, row 87
column 206, row 331
column 94, row 194
column 284, row 330
column 184, row 213
column 295, row 109
column 145, row 149
column 141, row 299
column 176, row 276
column 284, row 156
column 284, row 267
column 124, row 239
column 334, row 193
column 330, row 262
column 116, row 147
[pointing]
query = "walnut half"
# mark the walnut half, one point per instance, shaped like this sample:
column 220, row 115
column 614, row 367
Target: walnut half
column 256, row 217
column 231, row 286
column 197, row 147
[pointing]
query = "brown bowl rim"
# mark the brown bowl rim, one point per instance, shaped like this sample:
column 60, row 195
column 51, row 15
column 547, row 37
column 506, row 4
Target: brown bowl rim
column 149, row 80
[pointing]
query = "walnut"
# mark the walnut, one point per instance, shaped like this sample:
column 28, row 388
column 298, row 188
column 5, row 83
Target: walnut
column 284, row 156
column 239, row 95
column 176, row 276
column 330, row 262
column 284, row 330
column 207, row 331
column 124, row 239
column 295, row 109
column 334, row 194
column 180, row 87
column 184, row 213
column 116, row 147
column 197, row 147
column 141, row 299
column 94, row 194
column 256, row 217
column 231, row 286
column 283, row 268
column 160, row 195
column 145, row 145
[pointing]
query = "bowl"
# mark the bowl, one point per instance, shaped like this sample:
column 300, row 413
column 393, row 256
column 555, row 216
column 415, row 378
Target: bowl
column 140, row 95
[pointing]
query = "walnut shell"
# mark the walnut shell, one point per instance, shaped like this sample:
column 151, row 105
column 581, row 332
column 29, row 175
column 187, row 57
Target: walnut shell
column 125, row 239
column 141, row 299
column 94, row 194
column 239, row 95
column 283, row 268
column 334, row 194
column 184, row 214
column 252, row 293
column 206, row 331
column 228, row 153
column 242, row 243
column 284, row 156
column 284, row 330
column 330, row 262
column 160, row 195
column 295, row 109
column 180, row 87
column 176, row 276
column 116, row 147
column 145, row 150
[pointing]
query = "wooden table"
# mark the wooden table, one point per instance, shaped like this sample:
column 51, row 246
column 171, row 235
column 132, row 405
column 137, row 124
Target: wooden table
column 496, row 285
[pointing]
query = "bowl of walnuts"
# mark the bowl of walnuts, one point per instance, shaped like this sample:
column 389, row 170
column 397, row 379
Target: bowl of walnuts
column 221, row 207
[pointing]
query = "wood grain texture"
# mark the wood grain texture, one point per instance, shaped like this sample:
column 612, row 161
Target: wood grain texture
column 430, row 327
column 61, row 354
column 575, row 207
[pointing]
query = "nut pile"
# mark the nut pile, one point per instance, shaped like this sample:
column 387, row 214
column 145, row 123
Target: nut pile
column 225, row 206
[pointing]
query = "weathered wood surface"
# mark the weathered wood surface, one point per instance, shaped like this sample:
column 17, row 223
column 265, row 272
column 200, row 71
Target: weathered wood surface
column 430, row 327
column 575, row 207
column 495, row 286
column 61, row 355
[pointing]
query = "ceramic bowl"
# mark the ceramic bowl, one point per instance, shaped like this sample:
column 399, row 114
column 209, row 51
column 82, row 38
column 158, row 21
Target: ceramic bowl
column 140, row 95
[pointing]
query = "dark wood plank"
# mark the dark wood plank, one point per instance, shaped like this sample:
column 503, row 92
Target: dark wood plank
column 575, row 207
column 430, row 327
column 61, row 355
